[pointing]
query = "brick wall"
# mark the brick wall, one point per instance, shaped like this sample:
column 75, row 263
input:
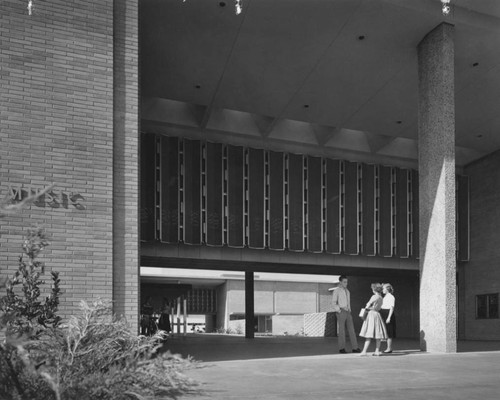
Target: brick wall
column 56, row 111
column 274, row 297
column 481, row 275
column 126, row 160
column 296, row 298
column 325, row 297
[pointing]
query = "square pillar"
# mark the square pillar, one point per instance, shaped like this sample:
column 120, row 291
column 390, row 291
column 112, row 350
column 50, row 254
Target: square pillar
column 249, row 305
column 126, row 160
column 436, row 164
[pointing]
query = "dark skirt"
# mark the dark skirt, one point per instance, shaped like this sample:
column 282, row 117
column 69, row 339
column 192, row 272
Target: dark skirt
column 391, row 326
column 164, row 322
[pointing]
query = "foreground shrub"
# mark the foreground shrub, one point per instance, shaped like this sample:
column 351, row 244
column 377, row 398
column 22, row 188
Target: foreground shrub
column 23, row 313
column 19, row 380
column 93, row 356
column 96, row 356
column 23, row 316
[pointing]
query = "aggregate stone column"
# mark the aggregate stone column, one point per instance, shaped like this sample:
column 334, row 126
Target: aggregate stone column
column 126, row 160
column 436, row 145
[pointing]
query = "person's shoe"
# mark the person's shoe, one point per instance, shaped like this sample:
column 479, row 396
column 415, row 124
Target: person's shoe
column 388, row 352
column 342, row 351
column 356, row 350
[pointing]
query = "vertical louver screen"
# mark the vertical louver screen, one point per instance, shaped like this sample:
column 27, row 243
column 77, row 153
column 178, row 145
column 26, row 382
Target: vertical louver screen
column 169, row 184
column 148, row 187
column 295, row 202
column 351, row 208
column 192, row 191
column 333, row 214
column 276, row 227
column 214, row 190
column 199, row 192
column 314, row 204
column 256, row 198
column 368, row 210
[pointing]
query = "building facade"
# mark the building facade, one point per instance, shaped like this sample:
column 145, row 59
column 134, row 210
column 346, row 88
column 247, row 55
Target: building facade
column 214, row 144
column 70, row 119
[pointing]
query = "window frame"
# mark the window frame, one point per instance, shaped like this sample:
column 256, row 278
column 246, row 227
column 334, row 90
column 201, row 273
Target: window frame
column 487, row 297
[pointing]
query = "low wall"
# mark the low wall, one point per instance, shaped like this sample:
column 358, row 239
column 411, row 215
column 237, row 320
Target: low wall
column 322, row 324
column 288, row 324
column 236, row 326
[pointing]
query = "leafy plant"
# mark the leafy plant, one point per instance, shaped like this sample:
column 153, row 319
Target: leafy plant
column 24, row 316
column 24, row 313
column 96, row 356
column 92, row 356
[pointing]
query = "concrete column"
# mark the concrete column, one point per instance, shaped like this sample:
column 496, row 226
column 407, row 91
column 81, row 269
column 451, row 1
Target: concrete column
column 126, row 160
column 436, row 142
column 249, row 305
column 184, row 315
column 172, row 321
column 178, row 316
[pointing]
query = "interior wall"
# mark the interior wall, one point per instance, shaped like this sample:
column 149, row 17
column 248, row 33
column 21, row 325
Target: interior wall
column 274, row 297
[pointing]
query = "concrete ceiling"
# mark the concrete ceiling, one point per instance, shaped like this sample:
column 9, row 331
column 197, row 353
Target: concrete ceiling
column 203, row 277
column 336, row 75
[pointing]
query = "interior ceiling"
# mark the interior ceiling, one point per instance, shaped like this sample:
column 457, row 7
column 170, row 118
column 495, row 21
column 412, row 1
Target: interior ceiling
column 296, row 71
column 196, row 283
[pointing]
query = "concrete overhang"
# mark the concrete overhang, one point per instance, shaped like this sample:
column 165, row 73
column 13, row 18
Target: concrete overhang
column 335, row 78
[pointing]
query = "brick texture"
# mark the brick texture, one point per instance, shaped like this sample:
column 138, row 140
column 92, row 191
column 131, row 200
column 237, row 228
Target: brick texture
column 58, row 119
column 125, row 161
column 481, row 274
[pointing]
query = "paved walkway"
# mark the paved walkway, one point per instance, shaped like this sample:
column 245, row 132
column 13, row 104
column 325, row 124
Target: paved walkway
column 310, row 368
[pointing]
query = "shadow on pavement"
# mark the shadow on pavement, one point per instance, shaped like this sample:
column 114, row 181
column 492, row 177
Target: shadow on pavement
column 213, row 347
column 219, row 347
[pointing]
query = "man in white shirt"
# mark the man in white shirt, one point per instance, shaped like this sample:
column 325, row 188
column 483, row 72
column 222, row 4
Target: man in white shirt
column 342, row 306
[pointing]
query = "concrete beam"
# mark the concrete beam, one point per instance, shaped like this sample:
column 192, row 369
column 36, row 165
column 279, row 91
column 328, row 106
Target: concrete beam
column 264, row 124
column 323, row 133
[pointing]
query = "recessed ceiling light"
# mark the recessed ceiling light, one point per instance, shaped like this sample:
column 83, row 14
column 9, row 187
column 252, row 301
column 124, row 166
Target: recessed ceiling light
column 361, row 37
column 399, row 122
column 475, row 64
column 198, row 86
column 306, row 105
column 222, row 4
column 479, row 136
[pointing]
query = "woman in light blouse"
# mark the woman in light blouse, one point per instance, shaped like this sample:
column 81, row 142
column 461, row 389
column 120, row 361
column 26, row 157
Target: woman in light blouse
column 387, row 313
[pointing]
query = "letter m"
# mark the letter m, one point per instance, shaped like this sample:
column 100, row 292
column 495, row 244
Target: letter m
column 15, row 194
